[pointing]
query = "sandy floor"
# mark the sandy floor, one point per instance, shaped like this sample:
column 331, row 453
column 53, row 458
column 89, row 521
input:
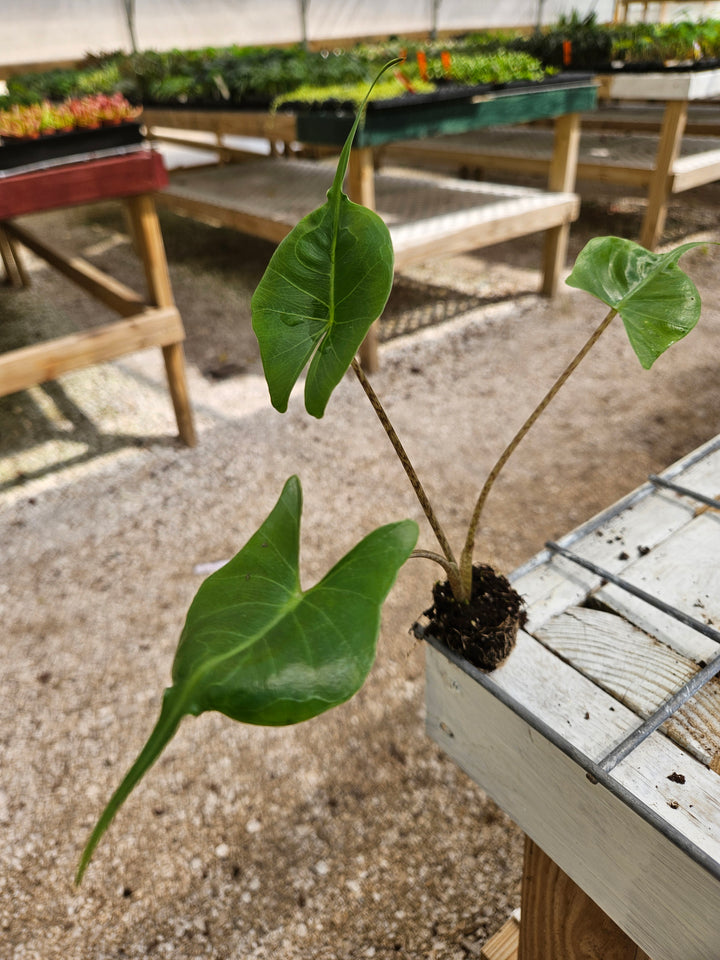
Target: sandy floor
column 350, row 836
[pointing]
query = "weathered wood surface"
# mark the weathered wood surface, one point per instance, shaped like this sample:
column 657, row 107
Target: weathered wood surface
column 615, row 538
column 685, row 571
column 642, row 841
column 663, row 899
column 641, row 672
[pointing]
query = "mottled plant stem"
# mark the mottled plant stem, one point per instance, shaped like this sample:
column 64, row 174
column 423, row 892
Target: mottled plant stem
column 467, row 554
column 447, row 561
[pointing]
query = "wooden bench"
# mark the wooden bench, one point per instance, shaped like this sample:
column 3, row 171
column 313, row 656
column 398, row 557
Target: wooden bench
column 154, row 320
column 600, row 735
column 427, row 217
column 661, row 165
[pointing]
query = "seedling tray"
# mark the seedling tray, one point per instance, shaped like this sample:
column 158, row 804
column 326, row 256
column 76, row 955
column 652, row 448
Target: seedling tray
column 450, row 112
column 55, row 146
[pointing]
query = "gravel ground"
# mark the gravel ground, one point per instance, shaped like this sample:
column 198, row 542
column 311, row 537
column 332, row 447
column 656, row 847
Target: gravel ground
column 352, row 835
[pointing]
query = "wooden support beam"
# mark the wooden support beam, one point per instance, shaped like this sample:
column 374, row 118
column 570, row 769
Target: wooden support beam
column 559, row 920
column 671, row 135
column 215, row 146
column 246, row 123
column 100, row 285
column 215, row 214
column 504, row 944
column 40, row 362
column 561, row 178
column 15, row 273
column 146, row 231
column 361, row 189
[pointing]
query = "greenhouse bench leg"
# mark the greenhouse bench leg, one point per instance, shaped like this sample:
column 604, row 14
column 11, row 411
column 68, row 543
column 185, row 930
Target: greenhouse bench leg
column 557, row 920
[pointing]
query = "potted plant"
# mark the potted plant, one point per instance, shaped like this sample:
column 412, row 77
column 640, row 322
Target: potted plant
column 255, row 645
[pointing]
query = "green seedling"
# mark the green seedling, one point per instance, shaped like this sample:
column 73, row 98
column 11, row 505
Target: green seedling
column 255, row 645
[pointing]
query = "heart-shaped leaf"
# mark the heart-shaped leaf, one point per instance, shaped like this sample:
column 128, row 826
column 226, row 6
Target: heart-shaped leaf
column 658, row 303
column 259, row 649
column 325, row 285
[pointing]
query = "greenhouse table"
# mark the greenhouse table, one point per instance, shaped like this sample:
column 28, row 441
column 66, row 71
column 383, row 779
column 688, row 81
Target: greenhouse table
column 661, row 165
column 131, row 178
column 600, row 735
column 472, row 216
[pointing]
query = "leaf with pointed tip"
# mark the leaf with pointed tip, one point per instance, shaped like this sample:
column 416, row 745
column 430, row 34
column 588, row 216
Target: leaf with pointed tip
column 658, row 303
column 259, row 649
column 325, row 285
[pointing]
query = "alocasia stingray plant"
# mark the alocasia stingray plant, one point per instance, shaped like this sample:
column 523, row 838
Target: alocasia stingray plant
column 255, row 645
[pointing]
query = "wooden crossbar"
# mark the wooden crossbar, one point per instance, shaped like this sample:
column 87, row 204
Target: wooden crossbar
column 26, row 366
column 102, row 286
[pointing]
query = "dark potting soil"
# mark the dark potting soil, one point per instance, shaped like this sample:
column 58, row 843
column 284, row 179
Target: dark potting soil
column 484, row 630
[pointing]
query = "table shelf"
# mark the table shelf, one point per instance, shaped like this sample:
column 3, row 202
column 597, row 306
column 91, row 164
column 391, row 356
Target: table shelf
column 661, row 165
column 266, row 198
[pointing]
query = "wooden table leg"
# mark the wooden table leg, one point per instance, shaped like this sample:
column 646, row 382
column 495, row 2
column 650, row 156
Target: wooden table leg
column 561, row 178
column 361, row 189
column 559, row 920
column 15, row 273
column 146, row 231
column 671, row 134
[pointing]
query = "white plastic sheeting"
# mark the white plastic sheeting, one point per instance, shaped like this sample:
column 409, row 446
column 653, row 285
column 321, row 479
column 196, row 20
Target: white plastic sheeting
column 33, row 31
column 38, row 31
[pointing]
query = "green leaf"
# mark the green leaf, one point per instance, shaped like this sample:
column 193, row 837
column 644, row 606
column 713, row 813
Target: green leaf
column 259, row 649
column 658, row 303
column 325, row 285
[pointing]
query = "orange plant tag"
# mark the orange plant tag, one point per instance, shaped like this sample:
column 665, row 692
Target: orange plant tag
column 400, row 76
column 422, row 64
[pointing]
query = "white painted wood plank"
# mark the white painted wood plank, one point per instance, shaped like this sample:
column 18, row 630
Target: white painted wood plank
column 551, row 587
column 591, row 721
column 664, row 900
column 640, row 671
column 684, row 570
column 579, row 712
column 652, row 774
column 693, row 85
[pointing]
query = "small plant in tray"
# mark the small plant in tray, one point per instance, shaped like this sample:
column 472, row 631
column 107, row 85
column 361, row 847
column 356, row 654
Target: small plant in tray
column 258, row 647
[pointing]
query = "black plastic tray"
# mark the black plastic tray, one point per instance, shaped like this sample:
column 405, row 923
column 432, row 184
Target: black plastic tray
column 54, row 146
